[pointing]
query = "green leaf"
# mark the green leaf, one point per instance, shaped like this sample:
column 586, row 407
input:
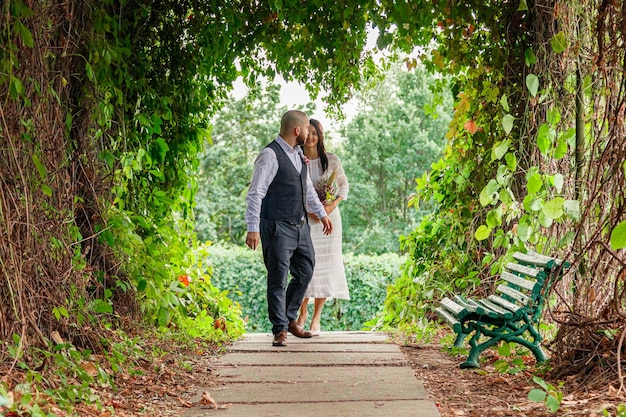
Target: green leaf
column 19, row 9
column 500, row 149
column 543, row 138
column 162, row 148
column 618, row 236
column 529, row 57
column 558, row 42
column 557, row 181
column 553, row 403
column 16, row 87
column 141, row 285
column 24, row 33
column 539, row 381
column 108, row 237
column 489, row 192
column 511, row 161
column 532, row 203
column 103, row 307
column 46, row 190
column 164, row 316
column 524, row 230
column 553, row 209
column 545, row 220
column 504, row 102
column 534, row 183
column 41, row 169
column 537, row 395
column 507, row 123
column 532, row 83
column 554, row 116
column 482, row 232
column 522, row 6
column 494, row 218
column 561, row 149
column 572, row 209
column 504, row 350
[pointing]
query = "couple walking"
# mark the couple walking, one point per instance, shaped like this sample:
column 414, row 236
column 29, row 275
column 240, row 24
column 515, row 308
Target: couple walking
column 298, row 224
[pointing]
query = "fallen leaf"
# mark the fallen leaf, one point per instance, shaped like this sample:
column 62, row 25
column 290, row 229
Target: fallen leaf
column 90, row 369
column 208, row 400
column 184, row 403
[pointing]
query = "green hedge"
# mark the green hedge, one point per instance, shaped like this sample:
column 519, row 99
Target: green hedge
column 241, row 271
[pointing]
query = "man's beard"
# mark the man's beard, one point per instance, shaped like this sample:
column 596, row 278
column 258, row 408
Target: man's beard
column 301, row 139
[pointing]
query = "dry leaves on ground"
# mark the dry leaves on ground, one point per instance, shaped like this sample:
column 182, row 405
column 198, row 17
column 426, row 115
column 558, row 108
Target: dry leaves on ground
column 485, row 392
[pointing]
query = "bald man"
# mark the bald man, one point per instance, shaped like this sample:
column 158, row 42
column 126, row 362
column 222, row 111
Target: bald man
column 277, row 201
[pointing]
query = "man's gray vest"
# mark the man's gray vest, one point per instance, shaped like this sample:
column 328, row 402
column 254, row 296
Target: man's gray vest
column 285, row 198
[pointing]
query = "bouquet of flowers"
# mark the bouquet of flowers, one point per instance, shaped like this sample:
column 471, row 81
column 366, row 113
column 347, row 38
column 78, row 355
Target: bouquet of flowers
column 327, row 189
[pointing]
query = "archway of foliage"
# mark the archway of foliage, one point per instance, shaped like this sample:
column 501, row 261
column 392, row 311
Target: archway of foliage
column 104, row 107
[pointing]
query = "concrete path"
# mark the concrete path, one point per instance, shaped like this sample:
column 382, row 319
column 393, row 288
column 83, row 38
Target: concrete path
column 337, row 374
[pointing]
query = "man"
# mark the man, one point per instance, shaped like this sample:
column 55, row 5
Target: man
column 279, row 194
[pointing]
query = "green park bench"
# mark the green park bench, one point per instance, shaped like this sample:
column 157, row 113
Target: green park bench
column 513, row 310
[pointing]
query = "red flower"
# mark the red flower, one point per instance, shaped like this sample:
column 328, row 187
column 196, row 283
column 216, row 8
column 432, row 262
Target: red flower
column 185, row 279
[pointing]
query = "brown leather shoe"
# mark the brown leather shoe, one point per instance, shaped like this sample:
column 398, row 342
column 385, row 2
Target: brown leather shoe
column 280, row 339
column 298, row 331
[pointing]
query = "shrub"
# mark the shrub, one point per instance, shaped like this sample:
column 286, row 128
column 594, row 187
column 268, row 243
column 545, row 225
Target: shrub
column 241, row 272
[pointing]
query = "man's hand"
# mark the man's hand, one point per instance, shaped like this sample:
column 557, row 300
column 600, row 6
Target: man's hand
column 328, row 225
column 252, row 239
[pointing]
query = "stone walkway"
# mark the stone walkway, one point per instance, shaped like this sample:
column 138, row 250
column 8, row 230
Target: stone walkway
column 336, row 374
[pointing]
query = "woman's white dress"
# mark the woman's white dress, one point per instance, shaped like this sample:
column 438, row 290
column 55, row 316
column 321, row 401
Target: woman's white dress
column 329, row 276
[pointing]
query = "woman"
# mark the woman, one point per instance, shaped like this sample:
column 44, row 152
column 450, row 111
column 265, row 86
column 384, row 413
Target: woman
column 331, row 184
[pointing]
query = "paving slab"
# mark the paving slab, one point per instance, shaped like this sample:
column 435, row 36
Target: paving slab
column 338, row 373
column 387, row 377
column 324, row 337
column 285, row 357
column 339, row 390
column 412, row 408
column 315, row 347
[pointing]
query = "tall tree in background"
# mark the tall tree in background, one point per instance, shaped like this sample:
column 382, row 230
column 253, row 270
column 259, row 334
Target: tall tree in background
column 398, row 132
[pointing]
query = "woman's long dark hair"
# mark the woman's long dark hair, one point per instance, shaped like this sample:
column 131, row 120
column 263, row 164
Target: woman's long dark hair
column 321, row 150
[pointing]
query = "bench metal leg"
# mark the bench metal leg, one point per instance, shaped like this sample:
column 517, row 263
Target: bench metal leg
column 534, row 347
column 472, row 358
column 460, row 337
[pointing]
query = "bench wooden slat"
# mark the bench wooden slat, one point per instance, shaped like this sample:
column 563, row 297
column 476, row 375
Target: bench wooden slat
column 504, row 303
column 525, row 270
column 469, row 304
column 519, row 281
column 451, row 306
column 514, row 294
column 494, row 310
column 449, row 319
column 534, row 258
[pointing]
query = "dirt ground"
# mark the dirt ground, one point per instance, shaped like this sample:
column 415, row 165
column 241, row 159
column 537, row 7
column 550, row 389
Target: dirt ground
column 485, row 392
column 164, row 386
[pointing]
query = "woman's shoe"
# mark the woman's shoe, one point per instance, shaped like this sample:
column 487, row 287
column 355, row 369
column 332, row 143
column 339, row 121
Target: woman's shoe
column 315, row 332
